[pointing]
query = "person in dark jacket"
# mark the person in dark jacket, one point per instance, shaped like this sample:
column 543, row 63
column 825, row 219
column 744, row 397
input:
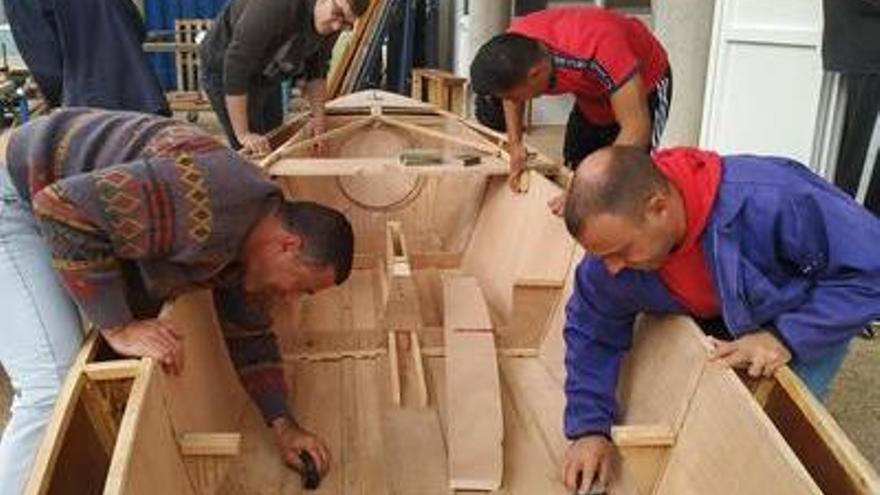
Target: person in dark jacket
column 253, row 45
column 87, row 53
column 851, row 47
column 783, row 258
column 115, row 213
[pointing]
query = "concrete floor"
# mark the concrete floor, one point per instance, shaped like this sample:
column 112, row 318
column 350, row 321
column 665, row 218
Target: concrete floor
column 854, row 399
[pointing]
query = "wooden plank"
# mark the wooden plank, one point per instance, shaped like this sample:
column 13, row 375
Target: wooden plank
column 816, row 438
column 473, row 390
column 727, row 445
column 363, row 442
column 317, row 397
column 528, row 466
column 259, row 469
column 415, row 457
column 56, row 429
column 147, row 459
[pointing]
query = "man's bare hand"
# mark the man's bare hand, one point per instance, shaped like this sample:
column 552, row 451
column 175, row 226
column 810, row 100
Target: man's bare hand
column 588, row 458
column 518, row 158
column 255, row 145
column 292, row 439
column 761, row 352
column 318, row 126
column 155, row 338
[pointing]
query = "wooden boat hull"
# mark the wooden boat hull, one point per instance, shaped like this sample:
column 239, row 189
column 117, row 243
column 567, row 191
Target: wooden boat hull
column 456, row 305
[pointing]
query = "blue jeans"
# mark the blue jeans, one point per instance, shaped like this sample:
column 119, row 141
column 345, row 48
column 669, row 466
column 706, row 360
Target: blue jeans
column 40, row 334
column 817, row 374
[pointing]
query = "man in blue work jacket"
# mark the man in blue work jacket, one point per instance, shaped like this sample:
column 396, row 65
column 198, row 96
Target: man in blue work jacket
column 787, row 261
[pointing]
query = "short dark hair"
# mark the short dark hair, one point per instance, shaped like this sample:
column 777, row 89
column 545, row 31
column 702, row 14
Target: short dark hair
column 503, row 62
column 327, row 236
column 358, row 7
column 629, row 179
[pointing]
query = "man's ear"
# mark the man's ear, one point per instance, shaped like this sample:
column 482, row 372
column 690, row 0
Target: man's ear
column 535, row 71
column 657, row 205
column 290, row 241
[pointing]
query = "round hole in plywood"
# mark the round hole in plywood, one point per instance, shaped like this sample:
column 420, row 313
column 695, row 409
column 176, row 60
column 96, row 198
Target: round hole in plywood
column 384, row 191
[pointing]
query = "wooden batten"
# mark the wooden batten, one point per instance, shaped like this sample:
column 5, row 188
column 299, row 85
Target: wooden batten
column 46, row 461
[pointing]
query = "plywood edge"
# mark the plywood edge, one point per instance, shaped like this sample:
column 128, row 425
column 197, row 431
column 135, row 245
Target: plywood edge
column 53, row 437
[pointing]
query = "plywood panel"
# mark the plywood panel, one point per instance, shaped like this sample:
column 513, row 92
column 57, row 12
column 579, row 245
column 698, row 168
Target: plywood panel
column 208, row 377
column 317, row 405
column 728, row 446
column 363, row 453
column 415, row 453
column 517, row 240
column 440, row 219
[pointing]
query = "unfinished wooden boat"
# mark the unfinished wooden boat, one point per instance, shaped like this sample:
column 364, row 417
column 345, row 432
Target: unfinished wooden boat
column 439, row 364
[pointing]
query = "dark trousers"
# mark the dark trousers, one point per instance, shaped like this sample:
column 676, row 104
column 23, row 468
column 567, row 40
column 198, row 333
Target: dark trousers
column 265, row 112
column 87, row 53
column 583, row 137
column 858, row 161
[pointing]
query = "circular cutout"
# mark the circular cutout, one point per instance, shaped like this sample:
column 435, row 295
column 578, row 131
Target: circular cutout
column 384, row 191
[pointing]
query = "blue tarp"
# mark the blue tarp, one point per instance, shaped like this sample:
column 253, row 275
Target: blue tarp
column 159, row 15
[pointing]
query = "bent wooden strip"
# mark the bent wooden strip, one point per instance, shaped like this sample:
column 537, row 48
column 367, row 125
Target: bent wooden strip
column 473, row 390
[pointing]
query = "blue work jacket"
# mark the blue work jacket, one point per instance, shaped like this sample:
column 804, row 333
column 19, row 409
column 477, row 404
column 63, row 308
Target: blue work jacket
column 786, row 250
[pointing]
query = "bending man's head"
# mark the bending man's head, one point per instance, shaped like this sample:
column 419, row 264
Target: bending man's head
column 511, row 66
column 301, row 248
column 622, row 209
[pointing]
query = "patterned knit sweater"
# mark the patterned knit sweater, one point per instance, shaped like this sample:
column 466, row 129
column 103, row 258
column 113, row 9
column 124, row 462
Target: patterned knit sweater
column 138, row 209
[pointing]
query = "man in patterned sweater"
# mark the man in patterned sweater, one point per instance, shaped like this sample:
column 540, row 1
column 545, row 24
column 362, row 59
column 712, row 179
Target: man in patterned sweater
column 126, row 211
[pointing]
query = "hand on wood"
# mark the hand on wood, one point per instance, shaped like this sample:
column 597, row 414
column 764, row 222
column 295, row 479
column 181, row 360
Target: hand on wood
column 155, row 338
column 254, row 145
column 518, row 159
column 761, row 352
column 318, row 126
column 292, row 439
column 589, row 464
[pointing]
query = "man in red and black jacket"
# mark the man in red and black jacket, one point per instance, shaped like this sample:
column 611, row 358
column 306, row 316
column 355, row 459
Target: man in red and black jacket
column 616, row 69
